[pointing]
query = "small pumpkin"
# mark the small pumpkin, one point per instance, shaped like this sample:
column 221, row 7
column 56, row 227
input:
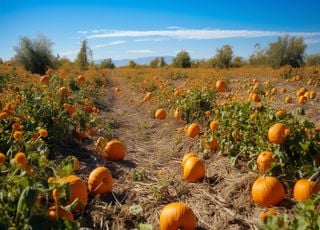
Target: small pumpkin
column 302, row 100
column 267, row 190
column 214, row 125
column 193, row 169
column 21, row 160
column 221, row 86
column 161, row 114
column 57, row 211
column 100, row 181
column 78, row 189
column 264, row 161
column 114, row 150
column 270, row 212
column 177, row 215
column 44, row 79
column 288, row 99
column 193, row 130
column 2, row 158
column 304, row 188
column 276, row 133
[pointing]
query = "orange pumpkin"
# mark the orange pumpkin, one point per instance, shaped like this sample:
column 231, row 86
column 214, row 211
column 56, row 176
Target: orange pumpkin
column 312, row 94
column 255, row 97
column 304, row 188
column 187, row 156
column 177, row 215
column 214, row 125
column 221, row 86
column 301, row 92
column 61, row 213
column 288, row 99
column 177, row 115
column 43, row 133
column 21, row 160
column 17, row 135
column 2, row 158
column 302, row 100
column 44, row 79
column 114, row 151
column 276, row 133
column 213, row 145
column 81, row 79
column 161, row 114
column 193, row 169
column 100, row 181
column 270, row 212
column 193, row 130
column 267, row 191
column 264, row 161
column 78, row 189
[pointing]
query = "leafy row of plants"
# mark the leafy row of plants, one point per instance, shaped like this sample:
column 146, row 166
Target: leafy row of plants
column 36, row 115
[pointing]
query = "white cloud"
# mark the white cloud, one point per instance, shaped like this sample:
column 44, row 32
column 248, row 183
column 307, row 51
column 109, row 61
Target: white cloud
column 174, row 27
column 82, row 32
column 150, row 39
column 198, row 34
column 109, row 44
column 145, row 51
column 312, row 41
column 67, row 53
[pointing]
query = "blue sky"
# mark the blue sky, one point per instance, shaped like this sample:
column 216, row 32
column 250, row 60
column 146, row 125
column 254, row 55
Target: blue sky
column 130, row 29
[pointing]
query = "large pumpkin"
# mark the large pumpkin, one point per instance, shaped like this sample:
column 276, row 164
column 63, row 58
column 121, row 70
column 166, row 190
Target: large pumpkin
column 193, row 130
column 304, row 188
column 276, row 133
column 221, row 86
column 177, row 215
column 264, row 160
column 100, row 181
column 161, row 114
column 78, row 189
column 267, row 191
column 193, row 169
column 187, row 156
column 114, row 151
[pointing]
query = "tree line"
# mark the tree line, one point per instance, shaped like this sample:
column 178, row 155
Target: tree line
column 36, row 56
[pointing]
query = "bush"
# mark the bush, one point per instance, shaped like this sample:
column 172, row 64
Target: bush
column 107, row 64
column 182, row 60
column 35, row 55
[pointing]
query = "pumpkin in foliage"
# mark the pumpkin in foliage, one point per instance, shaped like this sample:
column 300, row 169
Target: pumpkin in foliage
column 304, row 188
column 78, row 189
column 270, row 212
column 193, row 169
column 21, row 160
column 54, row 210
column 114, row 151
column 177, row 216
column 276, row 133
column 267, row 190
column 161, row 114
column 221, row 86
column 100, row 181
column 214, row 125
column 193, row 130
column 264, row 161
column 2, row 158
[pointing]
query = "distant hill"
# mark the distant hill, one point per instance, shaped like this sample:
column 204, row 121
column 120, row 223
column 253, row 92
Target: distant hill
column 141, row 61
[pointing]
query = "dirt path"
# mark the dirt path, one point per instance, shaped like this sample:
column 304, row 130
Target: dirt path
column 150, row 176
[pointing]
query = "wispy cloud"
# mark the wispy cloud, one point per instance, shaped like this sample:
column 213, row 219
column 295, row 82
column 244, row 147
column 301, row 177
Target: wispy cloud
column 82, row 32
column 109, row 44
column 145, row 51
column 150, row 39
column 312, row 41
column 174, row 27
column 199, row 34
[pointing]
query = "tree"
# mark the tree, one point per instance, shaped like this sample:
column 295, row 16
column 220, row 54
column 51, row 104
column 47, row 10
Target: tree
column 107, row 64
column 238, row 62
column 35, row 55
column 286, row 51
column 84, row 56
column 182, row 60
column 154, row 63
column 132, row 64
column 259, row 57
column 1, row 61
column 162, row 62
column 224, row 56
column 313, row 59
